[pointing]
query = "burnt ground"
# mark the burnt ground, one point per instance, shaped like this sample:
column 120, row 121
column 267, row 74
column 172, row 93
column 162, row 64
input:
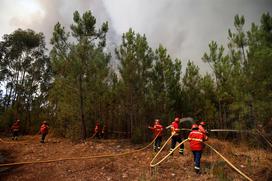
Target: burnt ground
column 255, row 162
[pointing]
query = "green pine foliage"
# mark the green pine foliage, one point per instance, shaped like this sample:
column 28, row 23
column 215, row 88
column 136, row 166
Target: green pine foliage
column 25, row 75
column 76, row 86
column 80, row 70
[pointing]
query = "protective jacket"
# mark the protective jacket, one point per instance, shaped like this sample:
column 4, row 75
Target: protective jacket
column 175, row 128
column 44, row 129
column 202, row 130
column 157, row 129
column 97, row 128
column 196, row 139
column 15, row 126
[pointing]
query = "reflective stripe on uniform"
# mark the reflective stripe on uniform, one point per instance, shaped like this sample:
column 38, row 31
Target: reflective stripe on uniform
column 197, row 133
column 195, row 139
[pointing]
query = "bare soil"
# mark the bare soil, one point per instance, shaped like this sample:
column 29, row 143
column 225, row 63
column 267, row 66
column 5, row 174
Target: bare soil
column 254, row 162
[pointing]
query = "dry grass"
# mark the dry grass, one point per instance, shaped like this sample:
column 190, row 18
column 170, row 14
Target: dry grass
column 256, row 163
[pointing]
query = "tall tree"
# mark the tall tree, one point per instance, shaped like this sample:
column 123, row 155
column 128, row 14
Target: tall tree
column 136, row 58
column 166, row 88
column 25, row 71
column 259, row 69
column 222, row 68
column 79, row 65
column 191, row 88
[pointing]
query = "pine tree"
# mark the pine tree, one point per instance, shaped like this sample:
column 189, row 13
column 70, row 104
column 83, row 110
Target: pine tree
column 80, row 69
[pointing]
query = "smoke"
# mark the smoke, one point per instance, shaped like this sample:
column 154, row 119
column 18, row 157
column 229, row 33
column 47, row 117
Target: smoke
column 62, row 11
column 48, row 13
column 184, row 27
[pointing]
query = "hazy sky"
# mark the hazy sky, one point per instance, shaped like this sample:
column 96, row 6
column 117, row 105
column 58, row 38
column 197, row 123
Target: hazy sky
column 185, row 27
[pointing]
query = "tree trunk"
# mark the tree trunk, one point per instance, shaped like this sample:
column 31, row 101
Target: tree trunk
column 9, row 97
column 224, row 115
column 28, row 120
column 244, row 55
column 83, row 124
column 220, row 115
column 131, row 115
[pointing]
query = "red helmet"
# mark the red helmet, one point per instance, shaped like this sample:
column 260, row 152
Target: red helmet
column 176, row 119
column 203, row 123
column 194, row 126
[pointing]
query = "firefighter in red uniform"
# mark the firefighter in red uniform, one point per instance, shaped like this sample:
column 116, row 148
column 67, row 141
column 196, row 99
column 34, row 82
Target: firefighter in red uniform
column 175, row 130
column 15, row 128
column 44, row 131
column 97, row 130
column 196, row 139
column 202, row 129
column 157, row 130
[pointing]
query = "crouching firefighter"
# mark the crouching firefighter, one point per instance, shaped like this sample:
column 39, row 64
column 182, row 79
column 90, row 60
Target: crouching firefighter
column 196, row 139
column 157, row 130
column 44, row 131
column 175, row 131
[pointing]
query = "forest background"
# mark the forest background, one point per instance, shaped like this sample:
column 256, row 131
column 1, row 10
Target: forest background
column 73, row 85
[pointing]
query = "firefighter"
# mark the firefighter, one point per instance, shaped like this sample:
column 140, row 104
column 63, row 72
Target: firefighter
column 43, row 131
column 104, row 132
column 97, row 130
column 196, row 139
column 15, row 128
column 157, row 130
column 175, row 131
column 202, row 129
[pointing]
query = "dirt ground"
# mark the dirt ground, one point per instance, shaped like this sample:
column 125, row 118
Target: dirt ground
column 256, row 163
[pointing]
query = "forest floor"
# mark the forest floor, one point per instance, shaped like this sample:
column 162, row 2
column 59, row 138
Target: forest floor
column 255, row 163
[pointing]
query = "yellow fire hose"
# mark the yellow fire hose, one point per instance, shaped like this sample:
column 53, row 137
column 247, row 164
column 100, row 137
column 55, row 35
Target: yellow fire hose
column 228, row 162
column 14, row 142
column 159, row 162
column 9, row 142
column 93, row 135
column 260, row 133
column 80, row 158
column 17, row 141
column 129, row 152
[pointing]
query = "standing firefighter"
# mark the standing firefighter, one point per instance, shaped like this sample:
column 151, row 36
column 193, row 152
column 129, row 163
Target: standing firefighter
column 97, row 130
column 104, row 132
column 175, row 131
column 15, row 128
column 44, row 131
column 157, row 130
column 202, row 129
column 196, row 139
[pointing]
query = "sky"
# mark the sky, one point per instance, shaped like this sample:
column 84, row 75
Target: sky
column 184, row 27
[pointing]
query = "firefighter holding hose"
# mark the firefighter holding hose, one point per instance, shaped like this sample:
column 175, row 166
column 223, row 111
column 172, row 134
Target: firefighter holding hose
column 196, row 139
column 176, row 132
column 157, row 130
